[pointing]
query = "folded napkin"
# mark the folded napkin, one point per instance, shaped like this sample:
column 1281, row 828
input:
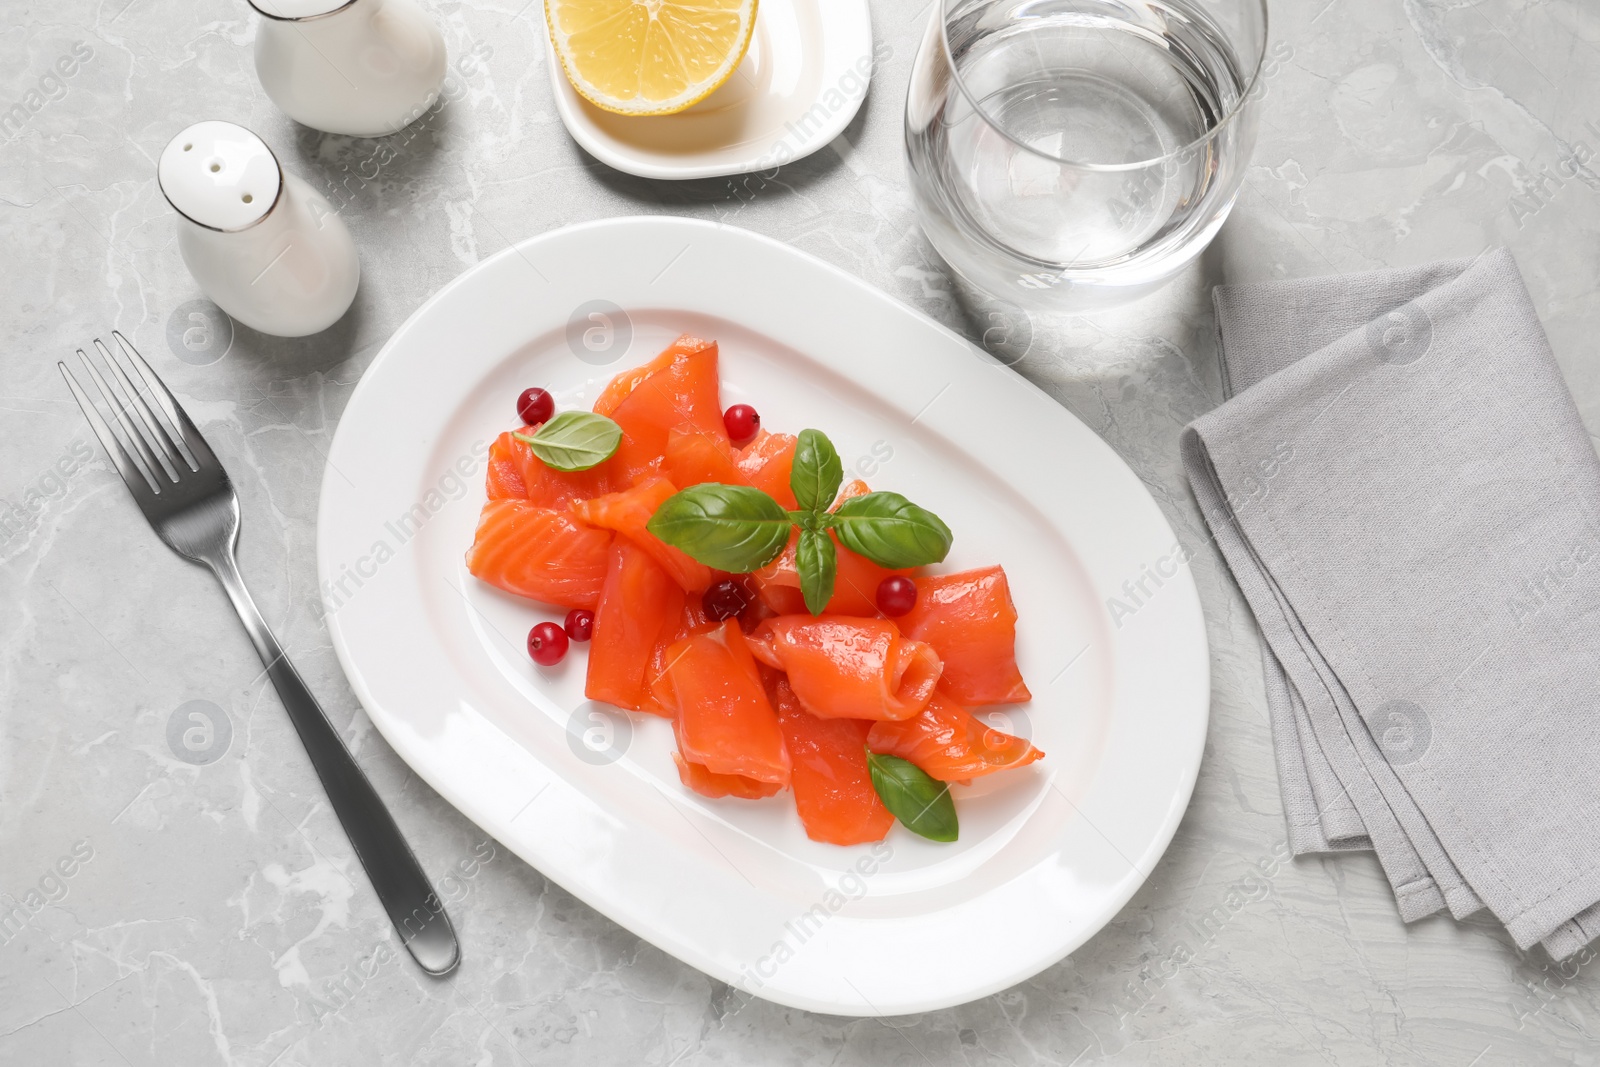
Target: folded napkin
column 1406, row 495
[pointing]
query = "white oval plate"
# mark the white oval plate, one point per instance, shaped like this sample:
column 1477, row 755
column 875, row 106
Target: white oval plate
column 799, row 85
column 1047, row 855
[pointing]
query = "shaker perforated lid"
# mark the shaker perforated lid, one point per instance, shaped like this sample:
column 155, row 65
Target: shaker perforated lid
column 296, row 10
column 220, row 175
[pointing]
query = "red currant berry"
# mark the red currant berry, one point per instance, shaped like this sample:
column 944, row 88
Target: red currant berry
column 580, row 624
column 743, row 423
column 896, row 595
column 726, row 599
column 535, row 406
column 547, row 643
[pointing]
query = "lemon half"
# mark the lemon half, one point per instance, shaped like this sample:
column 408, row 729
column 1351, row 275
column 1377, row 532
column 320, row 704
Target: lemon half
column 649, row 57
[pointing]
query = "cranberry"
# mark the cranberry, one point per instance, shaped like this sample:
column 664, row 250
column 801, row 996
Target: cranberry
column 535, row 406
column 896, row 595
column 547, row 644
column 580, row 624
column 743, row 423
column 726, row 599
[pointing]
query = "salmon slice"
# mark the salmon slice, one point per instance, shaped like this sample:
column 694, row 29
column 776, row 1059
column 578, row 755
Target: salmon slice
column 504, row 480
column 559, row 490
column 721, row 715
column 622, row 386
column 708, row 784
column 694, row 458
column 949, row 743
column 848, row 668
column 778, row 583
column 679, row 388
column 539, row 553
column 693, row 620
column 627, row 513
column 516, row 473
column 767, row 463
column 853, row 488
column 971, row 623
column 832, row 788
column 639, row 605
column 782, row 599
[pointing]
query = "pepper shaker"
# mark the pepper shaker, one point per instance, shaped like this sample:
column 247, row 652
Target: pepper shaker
column 365, row 68
column 263, row 245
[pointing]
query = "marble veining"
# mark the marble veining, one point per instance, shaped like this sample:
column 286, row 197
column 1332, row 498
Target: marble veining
column 179, row 892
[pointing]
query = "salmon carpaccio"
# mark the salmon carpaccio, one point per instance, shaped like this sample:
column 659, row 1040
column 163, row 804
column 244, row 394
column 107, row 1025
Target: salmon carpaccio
column 971, row 623
column 677, row 389
column 950, row 744
column 848, row 668
column 710, row 784
column 773, row 700
column 722, row 718
column 694, row 458
column 832, row 787
column 627, row 513
column 767, row 462
column 540, row 554
column 639, row 607
column 516, row 473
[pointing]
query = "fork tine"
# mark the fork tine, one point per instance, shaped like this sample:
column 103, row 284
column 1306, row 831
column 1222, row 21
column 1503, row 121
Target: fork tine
column 128, row 436
column 179, row 418
column 164, row 442
column 127, row 403
column 131, row 472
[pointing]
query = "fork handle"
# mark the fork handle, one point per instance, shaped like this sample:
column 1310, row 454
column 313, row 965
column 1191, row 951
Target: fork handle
column 413, row 907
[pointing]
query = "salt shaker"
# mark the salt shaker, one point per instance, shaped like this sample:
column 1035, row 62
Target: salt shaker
column 264, row 246
column 365, row 68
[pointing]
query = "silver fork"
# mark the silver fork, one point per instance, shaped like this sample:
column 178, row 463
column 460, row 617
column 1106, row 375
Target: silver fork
column 186, row 496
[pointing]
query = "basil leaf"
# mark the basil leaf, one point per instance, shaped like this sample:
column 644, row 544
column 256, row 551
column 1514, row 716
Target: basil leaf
column 891, row 531
column 920, row 802
column 574, row 440
column 734, row 528
column 815, row 559
column 817, row 471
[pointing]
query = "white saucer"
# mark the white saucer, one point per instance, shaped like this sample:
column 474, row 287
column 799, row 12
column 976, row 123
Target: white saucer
column 799, row 85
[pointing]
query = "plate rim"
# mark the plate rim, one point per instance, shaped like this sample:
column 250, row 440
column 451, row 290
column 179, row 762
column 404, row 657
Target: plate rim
column 1184, row 602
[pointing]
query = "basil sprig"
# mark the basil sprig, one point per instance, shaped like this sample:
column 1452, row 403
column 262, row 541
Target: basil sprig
column 918, row 800
column 574, row 440
column 738, row 528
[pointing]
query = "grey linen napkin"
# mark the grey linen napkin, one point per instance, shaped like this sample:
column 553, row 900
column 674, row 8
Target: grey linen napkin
column 1403, row 489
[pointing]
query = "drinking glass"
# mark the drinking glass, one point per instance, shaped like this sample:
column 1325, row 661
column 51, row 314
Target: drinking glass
column 1073, row 154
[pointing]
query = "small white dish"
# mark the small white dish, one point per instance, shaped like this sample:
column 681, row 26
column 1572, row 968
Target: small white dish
column 1047, row 854
column 800, row 83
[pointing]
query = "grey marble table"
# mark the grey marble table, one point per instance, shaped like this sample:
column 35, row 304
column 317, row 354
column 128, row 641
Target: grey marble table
column 165, row 911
